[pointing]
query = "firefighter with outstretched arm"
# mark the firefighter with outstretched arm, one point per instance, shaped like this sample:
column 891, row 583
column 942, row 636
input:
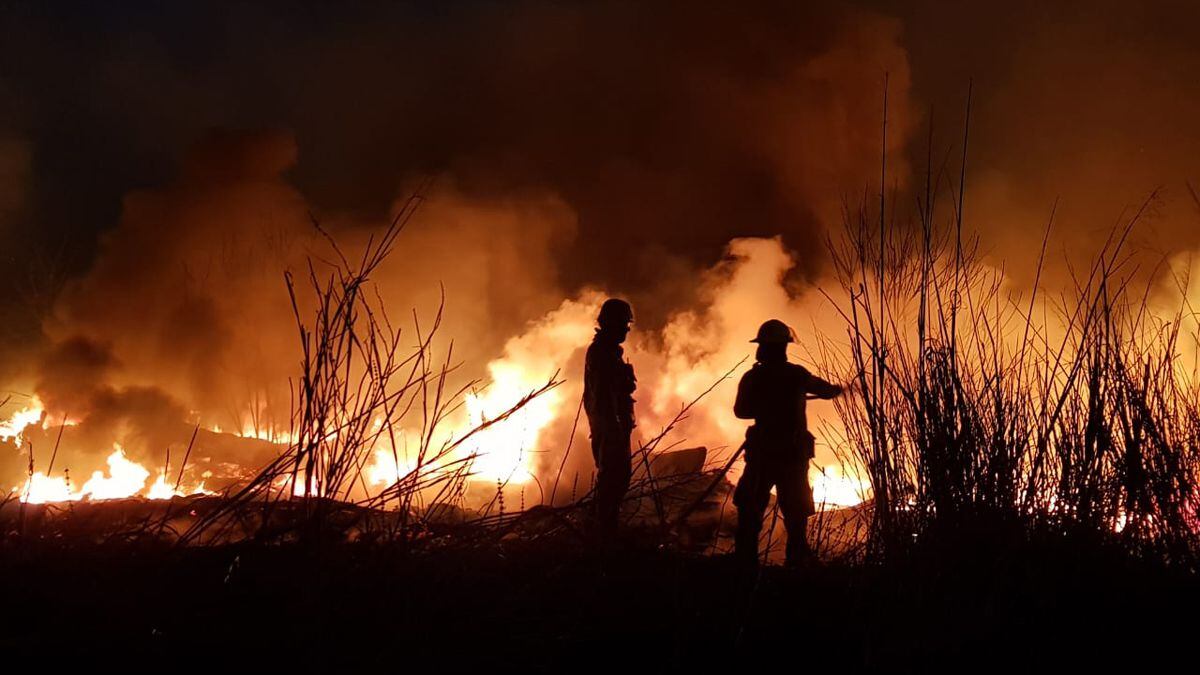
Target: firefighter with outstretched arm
column 778, row 445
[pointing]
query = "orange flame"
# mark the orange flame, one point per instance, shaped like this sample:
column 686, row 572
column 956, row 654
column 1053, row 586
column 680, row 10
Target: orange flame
column 125, row 478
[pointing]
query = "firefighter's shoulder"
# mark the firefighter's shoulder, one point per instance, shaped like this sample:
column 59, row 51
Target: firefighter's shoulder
column 798, row 372
column 751, row 376
column 755, row 371
column 597, row 350
column 797, row 368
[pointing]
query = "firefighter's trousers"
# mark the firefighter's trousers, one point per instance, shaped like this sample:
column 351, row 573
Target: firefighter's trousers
column 787, row 472
column 614, row 468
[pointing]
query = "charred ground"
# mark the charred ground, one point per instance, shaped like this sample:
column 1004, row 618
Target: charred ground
column 965, row 603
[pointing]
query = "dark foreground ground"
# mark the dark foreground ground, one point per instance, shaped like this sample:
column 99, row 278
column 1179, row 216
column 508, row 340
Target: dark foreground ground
column 555, row 607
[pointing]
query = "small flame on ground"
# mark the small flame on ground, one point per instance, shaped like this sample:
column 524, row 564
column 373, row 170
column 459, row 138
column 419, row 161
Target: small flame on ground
column 297, row 484
column 125, row 478
column 387, row 467
column 833, row 489
column 250, row 430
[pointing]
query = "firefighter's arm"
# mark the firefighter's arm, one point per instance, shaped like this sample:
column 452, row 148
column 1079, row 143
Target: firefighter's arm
column 614, row 380
column 617, row 411
column 744, row 406
column 599, row 382
column 819, row 388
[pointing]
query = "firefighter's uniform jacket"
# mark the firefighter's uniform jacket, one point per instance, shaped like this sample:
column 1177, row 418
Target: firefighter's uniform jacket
column 608, row 386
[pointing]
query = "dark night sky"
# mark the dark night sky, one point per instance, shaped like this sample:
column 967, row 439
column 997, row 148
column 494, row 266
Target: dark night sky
column 101, row 99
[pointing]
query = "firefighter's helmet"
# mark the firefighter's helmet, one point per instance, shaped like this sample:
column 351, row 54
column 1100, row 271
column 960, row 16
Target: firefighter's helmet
column 615, row 311
column 774, row 331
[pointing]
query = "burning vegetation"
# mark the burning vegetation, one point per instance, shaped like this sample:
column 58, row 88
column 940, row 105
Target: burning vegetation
column 970, row 403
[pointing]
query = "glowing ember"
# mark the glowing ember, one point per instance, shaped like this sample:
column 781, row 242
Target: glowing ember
column 250, row 430
column 296, row 484
column 268, row 434
column 162, row 489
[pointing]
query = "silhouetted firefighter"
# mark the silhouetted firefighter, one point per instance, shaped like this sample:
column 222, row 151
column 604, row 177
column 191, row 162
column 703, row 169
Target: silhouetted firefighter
column 778, row 444
column 608, row 386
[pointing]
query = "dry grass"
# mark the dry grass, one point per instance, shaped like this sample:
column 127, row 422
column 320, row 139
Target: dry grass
column 976, row 409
